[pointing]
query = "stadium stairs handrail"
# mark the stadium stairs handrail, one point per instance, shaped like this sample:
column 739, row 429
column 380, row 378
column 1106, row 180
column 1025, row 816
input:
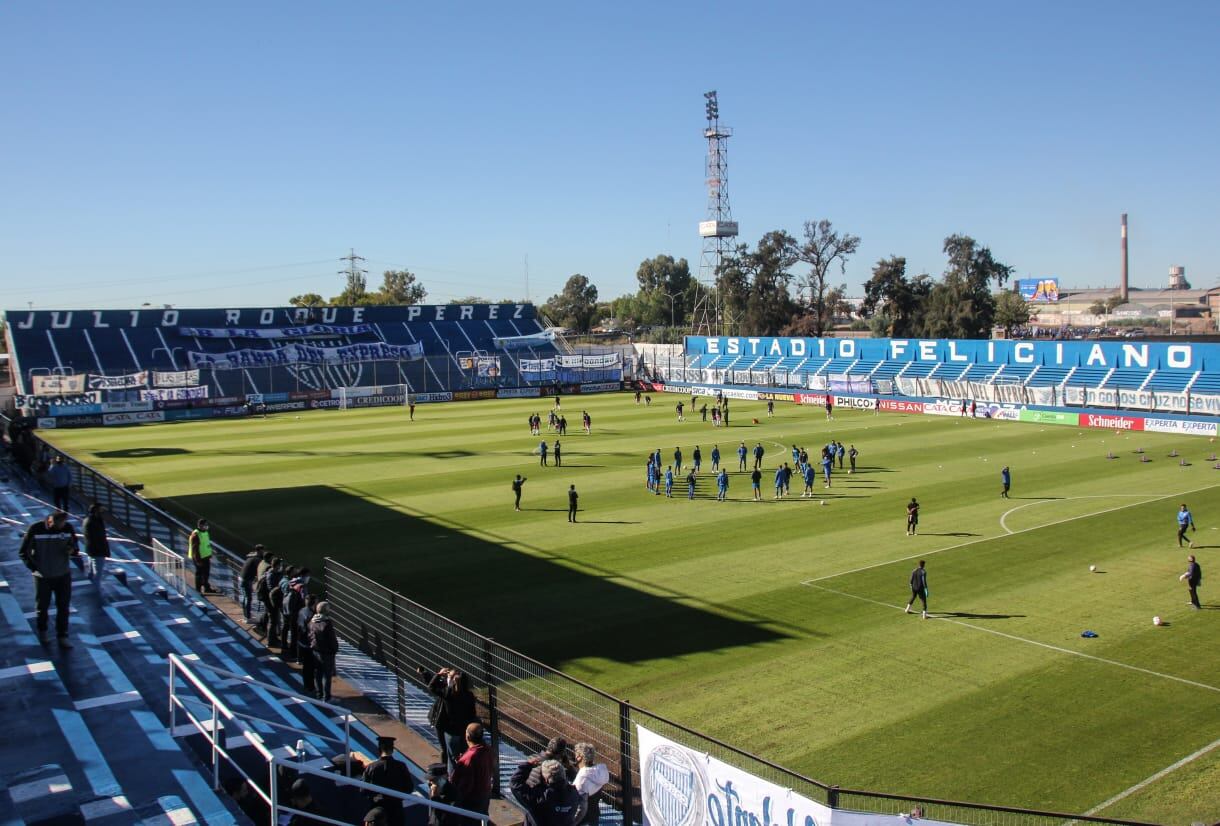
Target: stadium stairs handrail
column 213, row 734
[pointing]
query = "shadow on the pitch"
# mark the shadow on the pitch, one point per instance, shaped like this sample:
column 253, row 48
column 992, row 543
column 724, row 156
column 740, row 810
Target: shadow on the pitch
column 466, row 569
column 604, row 522
column 141, row 452
column 951, row 533
column 1037, row 498
column 971, row 615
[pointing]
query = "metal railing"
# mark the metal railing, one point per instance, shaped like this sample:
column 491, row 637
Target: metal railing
column 222, row 715
column 171, row 567
column 527, row 702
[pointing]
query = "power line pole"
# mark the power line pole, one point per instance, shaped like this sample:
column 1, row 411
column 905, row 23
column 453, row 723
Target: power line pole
column 356, row 282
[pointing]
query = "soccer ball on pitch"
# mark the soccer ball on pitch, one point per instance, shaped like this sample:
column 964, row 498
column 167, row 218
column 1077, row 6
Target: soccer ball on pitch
column 1156, row 620
column 1092, row 568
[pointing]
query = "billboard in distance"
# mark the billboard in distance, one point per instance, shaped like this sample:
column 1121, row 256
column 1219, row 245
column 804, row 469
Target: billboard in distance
column 1039, row 290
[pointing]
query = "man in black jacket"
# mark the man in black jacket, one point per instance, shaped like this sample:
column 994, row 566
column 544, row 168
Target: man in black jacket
column 325, row 644
column 45, row 550
column 1193, row 578
column 249, row 573
column 554, row 802
column 97, row 545
column 389, row 773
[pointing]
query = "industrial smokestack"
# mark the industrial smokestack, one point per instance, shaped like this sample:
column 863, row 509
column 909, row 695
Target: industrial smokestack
column 1122, row 289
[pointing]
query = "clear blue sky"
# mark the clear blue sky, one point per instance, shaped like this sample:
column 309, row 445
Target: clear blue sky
column 228, row 153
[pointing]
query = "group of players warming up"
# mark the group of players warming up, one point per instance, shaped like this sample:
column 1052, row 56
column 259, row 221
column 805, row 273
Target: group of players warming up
column 660, row 481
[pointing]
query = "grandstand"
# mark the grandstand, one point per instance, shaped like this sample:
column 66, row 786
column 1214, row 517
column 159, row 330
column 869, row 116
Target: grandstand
column 111, row 362
column 1162, row 376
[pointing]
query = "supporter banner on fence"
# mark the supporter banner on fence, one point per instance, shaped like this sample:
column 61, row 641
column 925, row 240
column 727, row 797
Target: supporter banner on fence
column 849, row 384
column 305, row 354
column 537, row 365
column 1101, row 397
column 602, row 360
column 1041, row 395
column 522, row 342
column 899, row 406
column 1177, row 402
column 93, row 397
column 277, row 332
column 906, row 387
column 1072, row 395
column 816, row 383
column 181, row 378
column 1180, row 426
column 57, row 385
column 1200, row 403
column 680, row 786
column 1107, row 422
column 570, row 361
column 488, row 367
column 1136, row 398
column 118, row 382
column 166, row 394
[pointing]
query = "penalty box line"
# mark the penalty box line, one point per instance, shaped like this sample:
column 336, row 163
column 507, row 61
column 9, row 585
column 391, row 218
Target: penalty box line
column 982, row 539
column 1027, row 641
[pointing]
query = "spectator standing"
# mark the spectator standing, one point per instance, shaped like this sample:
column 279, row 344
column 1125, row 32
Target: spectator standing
column 61, row 484
column 45, row 550
column 573, row 498
column 249, row 574
column 325, row 645
column 391, row 773
column 304, row 652
column 294, row 590
column 452, row 690
column 472, row 776
column 275, row 602
column 261, row 590
column 591, row 778
column 97, row 544
column 199, row 545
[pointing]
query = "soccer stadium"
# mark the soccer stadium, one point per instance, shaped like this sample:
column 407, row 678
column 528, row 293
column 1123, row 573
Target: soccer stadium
column 716, row 644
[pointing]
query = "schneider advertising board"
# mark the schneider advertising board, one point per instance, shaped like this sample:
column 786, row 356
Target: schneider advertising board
column 683, row 787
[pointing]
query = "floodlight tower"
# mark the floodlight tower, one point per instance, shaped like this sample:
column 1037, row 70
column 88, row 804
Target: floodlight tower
column 718, row 229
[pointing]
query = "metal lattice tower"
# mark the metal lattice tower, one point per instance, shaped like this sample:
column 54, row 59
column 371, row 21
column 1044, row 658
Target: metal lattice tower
column 717, row 230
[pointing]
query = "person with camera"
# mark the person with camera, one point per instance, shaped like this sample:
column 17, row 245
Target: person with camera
column 453, row 710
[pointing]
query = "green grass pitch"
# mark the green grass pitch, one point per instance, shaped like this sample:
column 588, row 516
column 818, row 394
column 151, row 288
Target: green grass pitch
column 778, row 626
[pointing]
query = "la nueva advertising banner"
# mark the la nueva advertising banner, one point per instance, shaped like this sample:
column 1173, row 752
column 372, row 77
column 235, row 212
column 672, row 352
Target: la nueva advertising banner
column 682, row 787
